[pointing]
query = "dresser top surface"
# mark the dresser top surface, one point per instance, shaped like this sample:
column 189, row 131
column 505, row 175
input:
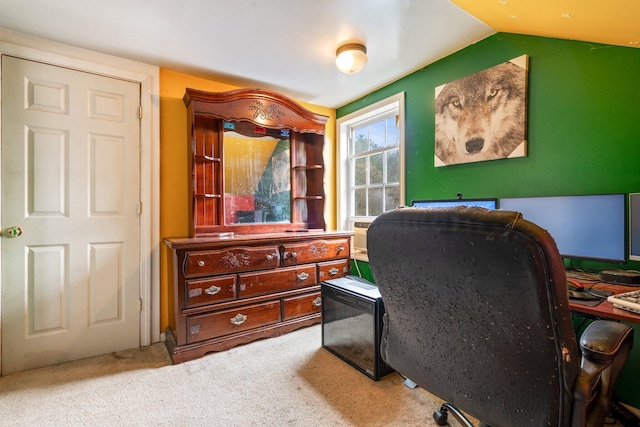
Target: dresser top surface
column 227, row 239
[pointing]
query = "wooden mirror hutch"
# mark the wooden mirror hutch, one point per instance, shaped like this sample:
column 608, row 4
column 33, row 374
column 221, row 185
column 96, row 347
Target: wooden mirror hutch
column 258, row 246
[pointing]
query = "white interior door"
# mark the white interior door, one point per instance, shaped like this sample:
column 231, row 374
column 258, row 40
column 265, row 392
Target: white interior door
column 71, row 183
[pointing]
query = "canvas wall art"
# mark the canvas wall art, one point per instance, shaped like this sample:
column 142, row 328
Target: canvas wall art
column 483, row 116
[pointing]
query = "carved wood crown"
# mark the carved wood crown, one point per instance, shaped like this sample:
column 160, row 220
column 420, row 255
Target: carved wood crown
column 267, row 113
column 259, row 106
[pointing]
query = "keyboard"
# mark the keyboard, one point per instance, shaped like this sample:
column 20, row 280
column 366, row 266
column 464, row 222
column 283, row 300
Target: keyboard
column 629, row 301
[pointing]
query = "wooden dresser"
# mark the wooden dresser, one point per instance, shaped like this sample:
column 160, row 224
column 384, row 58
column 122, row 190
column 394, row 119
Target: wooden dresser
column 231, row 290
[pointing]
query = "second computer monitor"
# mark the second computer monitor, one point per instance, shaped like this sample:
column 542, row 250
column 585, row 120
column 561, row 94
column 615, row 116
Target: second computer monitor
column 483, row 203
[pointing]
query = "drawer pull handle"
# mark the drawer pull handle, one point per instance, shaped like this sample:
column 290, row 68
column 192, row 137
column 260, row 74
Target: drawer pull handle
column 317, row 302
column 294, row 254
column 201, row 263
column 271, row 256
column 212, row 290
column 238, row 319
column 333, row 271
column 340, row 248
column 303, row 276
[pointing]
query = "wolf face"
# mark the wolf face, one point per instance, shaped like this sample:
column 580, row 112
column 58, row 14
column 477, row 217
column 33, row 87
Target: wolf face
column 481, row 117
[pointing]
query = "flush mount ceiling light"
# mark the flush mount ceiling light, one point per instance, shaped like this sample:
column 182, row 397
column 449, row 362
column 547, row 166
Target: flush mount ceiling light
column 351, row 58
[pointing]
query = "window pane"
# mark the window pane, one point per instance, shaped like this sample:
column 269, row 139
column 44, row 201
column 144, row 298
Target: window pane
column 377, row 135
column 375, row 201
column 393, row 133
column 393, row 166
column 391, row 198
column 374, row 176
column 375, row 166
column 361, row 140
column 360, row 177
column 360, row 202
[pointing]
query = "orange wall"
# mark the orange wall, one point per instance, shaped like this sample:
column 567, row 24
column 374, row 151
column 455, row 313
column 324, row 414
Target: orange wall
column 174, row 197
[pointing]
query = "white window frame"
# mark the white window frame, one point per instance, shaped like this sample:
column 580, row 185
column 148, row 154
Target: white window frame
column 343, row 173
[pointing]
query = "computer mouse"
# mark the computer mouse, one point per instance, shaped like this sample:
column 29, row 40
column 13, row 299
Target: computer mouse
column 574, row 285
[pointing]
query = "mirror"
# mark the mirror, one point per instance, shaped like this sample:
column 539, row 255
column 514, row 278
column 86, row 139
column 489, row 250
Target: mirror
column 256, row 168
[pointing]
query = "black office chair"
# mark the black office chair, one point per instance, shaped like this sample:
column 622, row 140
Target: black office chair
column 477, row 313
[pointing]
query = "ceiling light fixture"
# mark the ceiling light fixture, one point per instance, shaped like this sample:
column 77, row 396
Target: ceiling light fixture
column 351, row 58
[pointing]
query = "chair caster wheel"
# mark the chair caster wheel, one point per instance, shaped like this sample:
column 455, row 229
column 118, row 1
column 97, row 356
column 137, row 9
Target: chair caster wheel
column 440, row 417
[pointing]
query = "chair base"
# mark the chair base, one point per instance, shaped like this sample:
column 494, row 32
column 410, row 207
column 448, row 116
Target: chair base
column 442, row 415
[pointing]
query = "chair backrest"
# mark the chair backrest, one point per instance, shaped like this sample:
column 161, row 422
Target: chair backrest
column 477, row 312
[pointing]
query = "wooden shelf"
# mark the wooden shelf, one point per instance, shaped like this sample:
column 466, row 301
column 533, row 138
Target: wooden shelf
column 308, row 198
column 208, row 196
column 308, row 167
column 204, row 158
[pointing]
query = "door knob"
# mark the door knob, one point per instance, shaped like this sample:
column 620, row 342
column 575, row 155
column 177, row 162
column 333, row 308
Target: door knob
column 10, row 232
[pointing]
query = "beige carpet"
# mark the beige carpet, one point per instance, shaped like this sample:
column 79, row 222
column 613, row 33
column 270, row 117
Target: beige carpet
column 284, row 381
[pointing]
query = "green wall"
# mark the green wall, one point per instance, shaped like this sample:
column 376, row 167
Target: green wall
column 583, row 123
column 583, row 132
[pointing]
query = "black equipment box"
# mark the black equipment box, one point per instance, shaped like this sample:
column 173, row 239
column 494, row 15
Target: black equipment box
column 352, row 312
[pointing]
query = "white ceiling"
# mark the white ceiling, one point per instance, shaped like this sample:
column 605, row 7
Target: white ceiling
column 283, row 45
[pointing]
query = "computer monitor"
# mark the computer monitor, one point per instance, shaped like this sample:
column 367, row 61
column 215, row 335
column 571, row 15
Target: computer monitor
column 584, row 227
column 634, row 226
column 483, row 203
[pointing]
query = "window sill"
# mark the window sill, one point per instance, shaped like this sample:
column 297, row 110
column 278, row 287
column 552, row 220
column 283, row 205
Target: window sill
column 360, row 256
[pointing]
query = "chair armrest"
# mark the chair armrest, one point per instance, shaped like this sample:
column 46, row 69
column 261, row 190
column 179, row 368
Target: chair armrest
column 604, row 344
column 602, row 340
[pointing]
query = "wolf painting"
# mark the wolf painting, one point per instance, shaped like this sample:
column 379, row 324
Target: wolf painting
column 482, row 116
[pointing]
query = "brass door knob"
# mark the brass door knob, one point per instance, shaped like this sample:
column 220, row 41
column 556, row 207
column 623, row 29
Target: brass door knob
column 11, row 232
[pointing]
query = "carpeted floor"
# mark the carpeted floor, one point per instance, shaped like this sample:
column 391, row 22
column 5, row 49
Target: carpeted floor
column 284, row 381
column 288, row 381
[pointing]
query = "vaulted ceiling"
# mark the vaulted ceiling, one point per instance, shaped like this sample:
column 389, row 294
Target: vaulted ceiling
column 289, row 45
column 614, row 22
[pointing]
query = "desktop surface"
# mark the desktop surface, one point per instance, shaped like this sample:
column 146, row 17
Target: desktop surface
column 606, row 309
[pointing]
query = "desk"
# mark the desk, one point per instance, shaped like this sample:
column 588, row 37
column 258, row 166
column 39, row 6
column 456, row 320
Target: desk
column 605, row 309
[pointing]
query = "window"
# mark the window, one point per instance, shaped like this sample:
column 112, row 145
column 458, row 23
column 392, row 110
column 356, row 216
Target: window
column 371, row 161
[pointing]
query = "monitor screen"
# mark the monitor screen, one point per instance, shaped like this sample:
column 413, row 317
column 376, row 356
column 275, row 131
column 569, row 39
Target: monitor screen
column 634, row 226
column 587, row 227
column 483, row 203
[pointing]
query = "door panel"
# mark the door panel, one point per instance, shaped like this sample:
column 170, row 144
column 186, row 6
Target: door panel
column 46, row 306
column 70, row 181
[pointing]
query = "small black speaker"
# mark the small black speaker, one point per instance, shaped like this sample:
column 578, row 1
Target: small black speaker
column 621, row 277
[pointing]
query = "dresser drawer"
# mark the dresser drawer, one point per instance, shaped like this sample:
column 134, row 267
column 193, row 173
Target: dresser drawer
column 315, row 250
column 265, row 282
column 232, row 259
column 210, row 290
column 302, row 305
column 212, row 325
column 333, row 269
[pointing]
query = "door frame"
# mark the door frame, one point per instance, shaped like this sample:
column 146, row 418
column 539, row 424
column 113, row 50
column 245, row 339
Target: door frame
column 53, row 53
